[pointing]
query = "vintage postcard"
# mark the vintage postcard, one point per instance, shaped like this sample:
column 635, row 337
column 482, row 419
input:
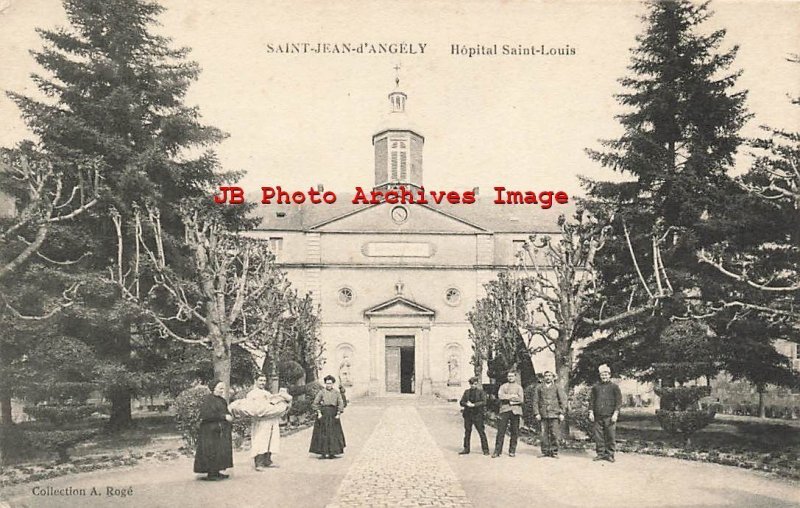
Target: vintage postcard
column 266, row 253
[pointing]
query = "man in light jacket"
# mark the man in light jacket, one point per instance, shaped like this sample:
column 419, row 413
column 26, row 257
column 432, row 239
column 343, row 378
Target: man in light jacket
column 511, row 397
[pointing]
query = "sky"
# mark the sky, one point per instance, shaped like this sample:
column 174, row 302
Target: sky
column 519, row 121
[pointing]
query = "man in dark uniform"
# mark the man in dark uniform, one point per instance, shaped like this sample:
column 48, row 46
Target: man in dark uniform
column 474, row 402
column 605, row 400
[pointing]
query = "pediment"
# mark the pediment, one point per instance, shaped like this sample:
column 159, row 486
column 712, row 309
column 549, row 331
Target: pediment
column 379, row 218
column 399, row 306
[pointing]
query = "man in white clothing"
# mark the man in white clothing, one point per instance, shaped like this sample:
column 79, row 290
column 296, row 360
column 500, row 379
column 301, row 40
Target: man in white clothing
column 265, row 432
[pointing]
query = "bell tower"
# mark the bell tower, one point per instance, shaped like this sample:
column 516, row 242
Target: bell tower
column 398, row 147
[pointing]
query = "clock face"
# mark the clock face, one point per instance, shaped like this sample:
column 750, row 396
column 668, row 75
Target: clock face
column 399, row 214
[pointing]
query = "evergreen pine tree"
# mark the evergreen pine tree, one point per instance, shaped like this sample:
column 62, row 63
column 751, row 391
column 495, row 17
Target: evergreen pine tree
column 115, row 93
column 681, row 132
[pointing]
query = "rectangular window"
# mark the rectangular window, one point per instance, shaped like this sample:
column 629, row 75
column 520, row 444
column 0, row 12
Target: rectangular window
column 398, row 160
column 276, row 245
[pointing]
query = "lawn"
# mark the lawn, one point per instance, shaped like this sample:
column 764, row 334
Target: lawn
column 768, row 445
column 154, row 437
column 723, row 435
column 150, row 432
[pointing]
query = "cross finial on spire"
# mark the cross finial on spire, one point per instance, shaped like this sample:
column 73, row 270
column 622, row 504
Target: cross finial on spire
column 397, row 98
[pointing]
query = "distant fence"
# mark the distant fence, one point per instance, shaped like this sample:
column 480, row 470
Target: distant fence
column 770, row 411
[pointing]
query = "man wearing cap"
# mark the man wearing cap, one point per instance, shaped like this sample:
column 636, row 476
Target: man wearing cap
column 549, row 405
column 474, row 403
column 511, row 397
column 605, row 400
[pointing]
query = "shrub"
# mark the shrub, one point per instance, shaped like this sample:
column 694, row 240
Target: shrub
column 680, row 412
column 303, row 399
column 290, row 372
column 187, row 413
column 75, row 391
column 307, row 390
column 60, row 441
column 62, row 414
column 14, row 443
column 300, row 407
column 684, row 423
column 311, row 389
column 240, row 431
column 578, row 409
column 682, row 398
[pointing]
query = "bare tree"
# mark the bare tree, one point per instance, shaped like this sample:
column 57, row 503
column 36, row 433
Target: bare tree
column 231, row 293
column 40, row 196
column 47, row 196
column 560, row 282
column 772, row 268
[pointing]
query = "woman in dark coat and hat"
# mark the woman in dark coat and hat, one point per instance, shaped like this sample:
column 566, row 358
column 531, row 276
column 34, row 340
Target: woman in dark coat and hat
column 328, row 438
column 214, row 445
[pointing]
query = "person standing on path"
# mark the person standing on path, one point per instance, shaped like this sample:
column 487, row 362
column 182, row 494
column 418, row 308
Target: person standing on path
column 214, row 445
column 549, row 405
column 474, row 403
column 605, row 400
column 511, row 397
column 265, row 431
column 327, row 439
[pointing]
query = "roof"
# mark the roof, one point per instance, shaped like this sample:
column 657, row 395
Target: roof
column 484, row 213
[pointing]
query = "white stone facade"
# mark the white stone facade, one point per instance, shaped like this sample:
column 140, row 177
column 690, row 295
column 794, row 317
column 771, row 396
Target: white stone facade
column 395, row 281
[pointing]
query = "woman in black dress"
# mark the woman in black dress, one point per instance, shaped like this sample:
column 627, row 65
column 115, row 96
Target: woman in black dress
column 214, row 445
column 328, row 438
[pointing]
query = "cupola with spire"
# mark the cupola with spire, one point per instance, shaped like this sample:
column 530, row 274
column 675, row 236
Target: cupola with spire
column 398, row 147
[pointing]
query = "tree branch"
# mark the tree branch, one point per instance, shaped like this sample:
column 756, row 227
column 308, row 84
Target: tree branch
column 602, row 323
column 704, row 258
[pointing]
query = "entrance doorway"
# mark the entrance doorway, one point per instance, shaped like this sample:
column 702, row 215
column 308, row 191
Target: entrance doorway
column 400, row 359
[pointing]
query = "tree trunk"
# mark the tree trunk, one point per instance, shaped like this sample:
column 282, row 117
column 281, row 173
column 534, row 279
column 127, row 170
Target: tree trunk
column 268, row 367
column 5, row 409
column 6, row 426
column 121, row 417
column 120, row 397
column 222, row 363
column 527, row 371
column 563, row 360
column 762, row 409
